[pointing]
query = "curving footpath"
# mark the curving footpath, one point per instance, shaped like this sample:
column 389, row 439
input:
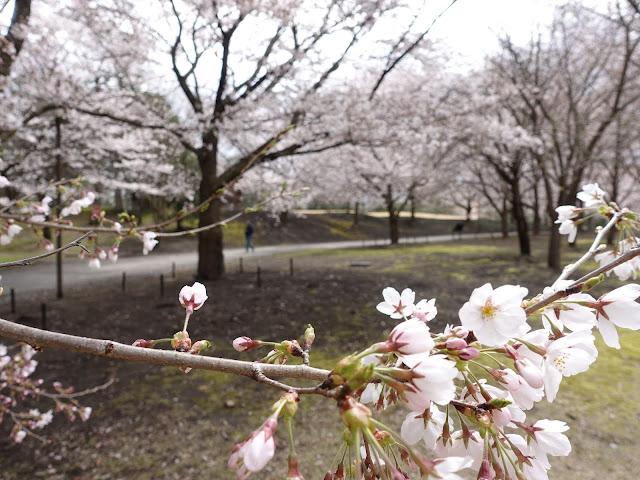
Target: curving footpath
column 41, row 277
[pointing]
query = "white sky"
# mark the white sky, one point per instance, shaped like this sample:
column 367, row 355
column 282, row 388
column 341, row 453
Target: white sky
column 470, row 27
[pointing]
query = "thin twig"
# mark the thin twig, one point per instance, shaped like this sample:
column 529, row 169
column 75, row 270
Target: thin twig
column 260, row 377
column 27, row 261
column 88, row 391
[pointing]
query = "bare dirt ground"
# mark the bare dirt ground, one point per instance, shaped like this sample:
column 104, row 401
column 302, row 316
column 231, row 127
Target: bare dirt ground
column 159, row 423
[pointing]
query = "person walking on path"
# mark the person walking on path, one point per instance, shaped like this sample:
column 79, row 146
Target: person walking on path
column 248, row 233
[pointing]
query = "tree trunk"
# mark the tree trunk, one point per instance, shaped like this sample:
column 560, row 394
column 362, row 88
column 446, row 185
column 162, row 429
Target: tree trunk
column 393, row 216
column 356, row 212
column 412, row 220
column 284, row 218
column 521, row 221
column 537, row 220
column 504, row 218
column 117, row 195
column 210, row 257
column 393, row 227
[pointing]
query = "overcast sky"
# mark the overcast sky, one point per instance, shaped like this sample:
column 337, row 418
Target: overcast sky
column 470, row 26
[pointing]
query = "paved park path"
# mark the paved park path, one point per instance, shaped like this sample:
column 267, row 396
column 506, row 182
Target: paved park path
column 41, row 277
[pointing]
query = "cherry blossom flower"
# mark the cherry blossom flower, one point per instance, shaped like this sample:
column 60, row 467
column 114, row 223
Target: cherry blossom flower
column 254, row 453
column 409, row 337
column 495, row 316
column 568, row 227
column 433, row 381
column 566, row 212
column 425, row 310
column 571, row 311
column 148, row 242
column 469, row 445
column 446, row 468
column 112, row 254
column 4, row 182
column 549, row 439
column 192, row 298
column 523, row 393
column 617, row 308
column 94, row 263
column 567, row 356
column 397, row 305
column 591, row 195
column 425, row 426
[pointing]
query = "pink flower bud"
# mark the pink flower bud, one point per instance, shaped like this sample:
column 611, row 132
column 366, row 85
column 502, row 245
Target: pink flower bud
column 529, row 372
column 455, row 344
column 460, row 332
column 244, row 344
column 409, row 337
column 469, row 353
column 141, row 342
column 192, row 298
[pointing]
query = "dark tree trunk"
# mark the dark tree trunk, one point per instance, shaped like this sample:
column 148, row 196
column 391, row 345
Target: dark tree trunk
column 393, row 227
column 118, row 200
column 393, row 216
column 210, row 257
column 537, row 221
column 356, row 212
column 412, row 220
column 284, row 218
column 520, row 220
column 504, row 218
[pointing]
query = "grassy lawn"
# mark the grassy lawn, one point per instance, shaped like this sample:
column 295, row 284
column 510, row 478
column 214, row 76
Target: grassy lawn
column 160, row 423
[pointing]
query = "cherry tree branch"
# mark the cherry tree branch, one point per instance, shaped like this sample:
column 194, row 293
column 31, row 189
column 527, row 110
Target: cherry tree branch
column 576, row 286
column 106, row 348
column 27, row 261
column 593, row 249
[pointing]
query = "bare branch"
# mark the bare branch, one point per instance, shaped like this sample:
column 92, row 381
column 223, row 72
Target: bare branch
column 391, row 64
column 27, row 261
column 106, row 348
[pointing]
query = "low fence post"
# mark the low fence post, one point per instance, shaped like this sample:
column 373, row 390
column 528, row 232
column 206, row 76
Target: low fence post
column 43, row 315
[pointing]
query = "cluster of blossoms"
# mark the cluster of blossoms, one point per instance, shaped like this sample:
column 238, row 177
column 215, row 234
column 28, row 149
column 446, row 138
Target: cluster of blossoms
column 19, row 393
column 469, row 388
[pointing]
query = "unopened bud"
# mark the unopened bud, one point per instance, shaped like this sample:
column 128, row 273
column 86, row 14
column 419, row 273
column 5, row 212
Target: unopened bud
column 244, row 344
column 498, row 402
column 294, row 472
column 529, row 372
column 592, row 282
column 309, row 337
column 460, row 332
column 291, row 405
column 455, row 343
column 469, row 353
column 355, row 415
column 198, row 346
column 141, row 342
